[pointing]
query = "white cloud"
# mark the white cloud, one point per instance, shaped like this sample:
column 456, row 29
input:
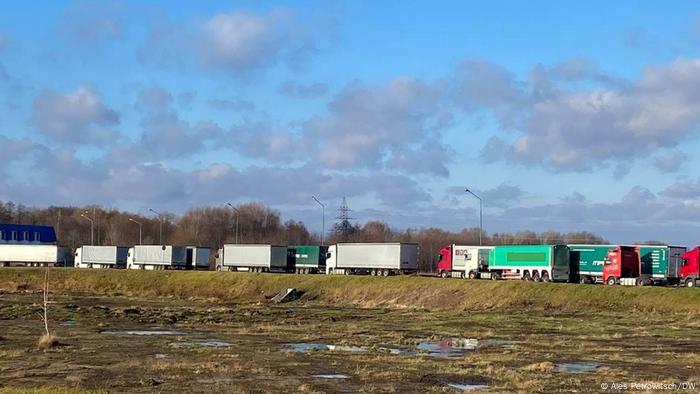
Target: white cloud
column 303, row 91
column 93, row 22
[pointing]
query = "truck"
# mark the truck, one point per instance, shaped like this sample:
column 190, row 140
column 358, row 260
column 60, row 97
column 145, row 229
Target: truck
column 156, row 257
column 660, row 264
column 623, row 266
column 529, row 262
column 372, row 258
column 252, row 258
column 459, row 261
column 690, row 268
column 31, row 255
column 90, row 256
column 306, row 259
column 197, row 258
column 587, row 262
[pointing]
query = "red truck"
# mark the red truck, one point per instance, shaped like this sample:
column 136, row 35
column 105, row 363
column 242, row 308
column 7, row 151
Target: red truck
column 624, row 266
column 690, row 268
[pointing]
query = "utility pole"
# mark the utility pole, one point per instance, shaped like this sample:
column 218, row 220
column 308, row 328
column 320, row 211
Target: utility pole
column 323, row 220
column 140, row 229
column 160, row 217
column 481, row 223
column 235, row 211
column 92, row 233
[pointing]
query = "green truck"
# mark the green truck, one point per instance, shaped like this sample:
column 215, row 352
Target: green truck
column 306, row 259
column 661, row 263
column 529, row 262
column 587, row 262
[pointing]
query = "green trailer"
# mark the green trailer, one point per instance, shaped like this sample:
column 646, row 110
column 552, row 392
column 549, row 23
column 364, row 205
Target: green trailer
column 587, row 262
column 661, row 263
column 530, row 262
column 306, row 259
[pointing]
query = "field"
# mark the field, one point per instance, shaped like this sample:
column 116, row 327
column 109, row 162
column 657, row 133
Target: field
column 218, row 332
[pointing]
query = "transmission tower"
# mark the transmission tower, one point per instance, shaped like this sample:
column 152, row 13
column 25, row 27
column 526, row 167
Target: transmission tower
column 344, row 227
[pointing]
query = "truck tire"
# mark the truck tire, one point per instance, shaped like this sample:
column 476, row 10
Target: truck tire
column 536, row 276
column 690, row 282
column 444, row 274
column 545, row 276
column 472, row 275
column 583, row 280
column 611, row 281
column 526, row 276
column 495, row 276
column 386, row 273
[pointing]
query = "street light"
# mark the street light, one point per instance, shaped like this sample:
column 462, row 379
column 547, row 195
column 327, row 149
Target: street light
column 235, row 210
column 160, row 217
column 140, row 232
column 323, row 222
column 92, row 235
column 481, row 223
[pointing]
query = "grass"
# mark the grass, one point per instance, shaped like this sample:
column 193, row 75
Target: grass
column 409, row 292
column 47, row 341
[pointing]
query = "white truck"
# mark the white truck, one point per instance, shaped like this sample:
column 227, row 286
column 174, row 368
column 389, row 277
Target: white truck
column 156, row 257
column 460, row 261
column 372, row 258
column 31, row 255
column 197, row 258
column 252, row 257
column 89, row 256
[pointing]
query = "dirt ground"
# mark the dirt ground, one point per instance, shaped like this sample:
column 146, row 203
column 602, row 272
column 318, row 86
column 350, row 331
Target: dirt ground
column 219, row 347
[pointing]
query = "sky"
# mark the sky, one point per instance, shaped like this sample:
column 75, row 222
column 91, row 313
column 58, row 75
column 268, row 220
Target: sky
column 561, row 116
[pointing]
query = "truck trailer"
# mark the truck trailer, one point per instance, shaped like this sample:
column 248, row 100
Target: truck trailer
column 372, row 258
column 29, row 255
column 529, row 262
column 306, row 259
column 690, row 268
column 460, row 261
column 661, row 263
column 587, row 262
column 157, row 257
column 89, row 256
column 252, row 257
column 197, row 258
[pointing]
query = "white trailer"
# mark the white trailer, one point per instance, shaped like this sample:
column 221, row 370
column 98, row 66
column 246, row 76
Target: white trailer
column 253, row 258
column 156, row 257
column 31, row 255
column 372, row 258
column 197, row 258
column 89, row 256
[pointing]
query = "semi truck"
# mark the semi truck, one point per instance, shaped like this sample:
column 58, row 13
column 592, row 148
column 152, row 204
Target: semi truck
column 306, row 259
column 31, row 255
column 459, row 261
column 587, row 262
column 623, row 266
column 660, row 264
column 197, row 258
column 90, row 256
column 372, row 258
column 529, row 262
column 252, row 258
column 690, row 268
column 157, row 257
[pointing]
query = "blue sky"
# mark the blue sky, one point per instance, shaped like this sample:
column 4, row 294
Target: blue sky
column 563, row 116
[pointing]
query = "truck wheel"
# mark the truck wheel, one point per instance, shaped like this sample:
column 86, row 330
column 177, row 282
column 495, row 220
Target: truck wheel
column 690, row 282
column 640, row 282
column 444, row 274
column 472, row 275
column 495, row 276
column 526, row 276
column 582, row 280
column 385, row 273
column 373, row 272
column 611, row 281
column 545, row 276
column 536, row 276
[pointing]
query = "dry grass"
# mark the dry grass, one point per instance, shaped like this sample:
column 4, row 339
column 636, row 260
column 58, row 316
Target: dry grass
column 544, row 366
column 47, row 341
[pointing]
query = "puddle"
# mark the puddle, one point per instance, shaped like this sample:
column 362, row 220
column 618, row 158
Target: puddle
column 306, row 347
column 160, row 355
column 331, row 376
column 448, row 348
column 577, row 367
column 142, row 332
column 214, row 343
column 467, row 387
column 398, row 351
column 69, row 323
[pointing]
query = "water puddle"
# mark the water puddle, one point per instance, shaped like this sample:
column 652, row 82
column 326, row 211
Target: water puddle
column 69, row 323
column 448, row 348
column 160, row 356
column 398, row 351
column 212, row 343
column 331, row 376
column 467, row 387
column 576, row 367
column 307, row 347
column 142, row 332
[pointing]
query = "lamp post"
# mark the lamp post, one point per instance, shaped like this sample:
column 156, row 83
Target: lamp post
column 92, row 226
column 140, row 232
column 160, row 217
column 323, row 220
column 481, row 223
column 235, row 210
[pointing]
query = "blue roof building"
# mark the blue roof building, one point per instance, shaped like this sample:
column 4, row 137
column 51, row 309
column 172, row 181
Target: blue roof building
column 26, row 234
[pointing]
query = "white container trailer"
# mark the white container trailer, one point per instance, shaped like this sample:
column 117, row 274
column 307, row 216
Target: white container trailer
column 254, row 258
column 372, row 258
column 31, row 255
column 157, row 257
column 89, row 256
column 197, row 258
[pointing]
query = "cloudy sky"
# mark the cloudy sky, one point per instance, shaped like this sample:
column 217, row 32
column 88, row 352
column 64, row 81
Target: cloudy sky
column 561, row 115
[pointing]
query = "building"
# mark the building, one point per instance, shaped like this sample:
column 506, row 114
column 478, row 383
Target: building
column 26, row 234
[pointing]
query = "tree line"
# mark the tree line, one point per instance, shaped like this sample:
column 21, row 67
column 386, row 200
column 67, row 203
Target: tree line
column 252, row 223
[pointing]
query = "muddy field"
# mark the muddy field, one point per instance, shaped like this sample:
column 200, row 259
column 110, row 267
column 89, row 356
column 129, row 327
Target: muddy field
column 122, row 344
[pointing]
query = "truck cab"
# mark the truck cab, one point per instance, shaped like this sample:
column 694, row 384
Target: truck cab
column 690, row 267
column 623, row 266
column 463, row 261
